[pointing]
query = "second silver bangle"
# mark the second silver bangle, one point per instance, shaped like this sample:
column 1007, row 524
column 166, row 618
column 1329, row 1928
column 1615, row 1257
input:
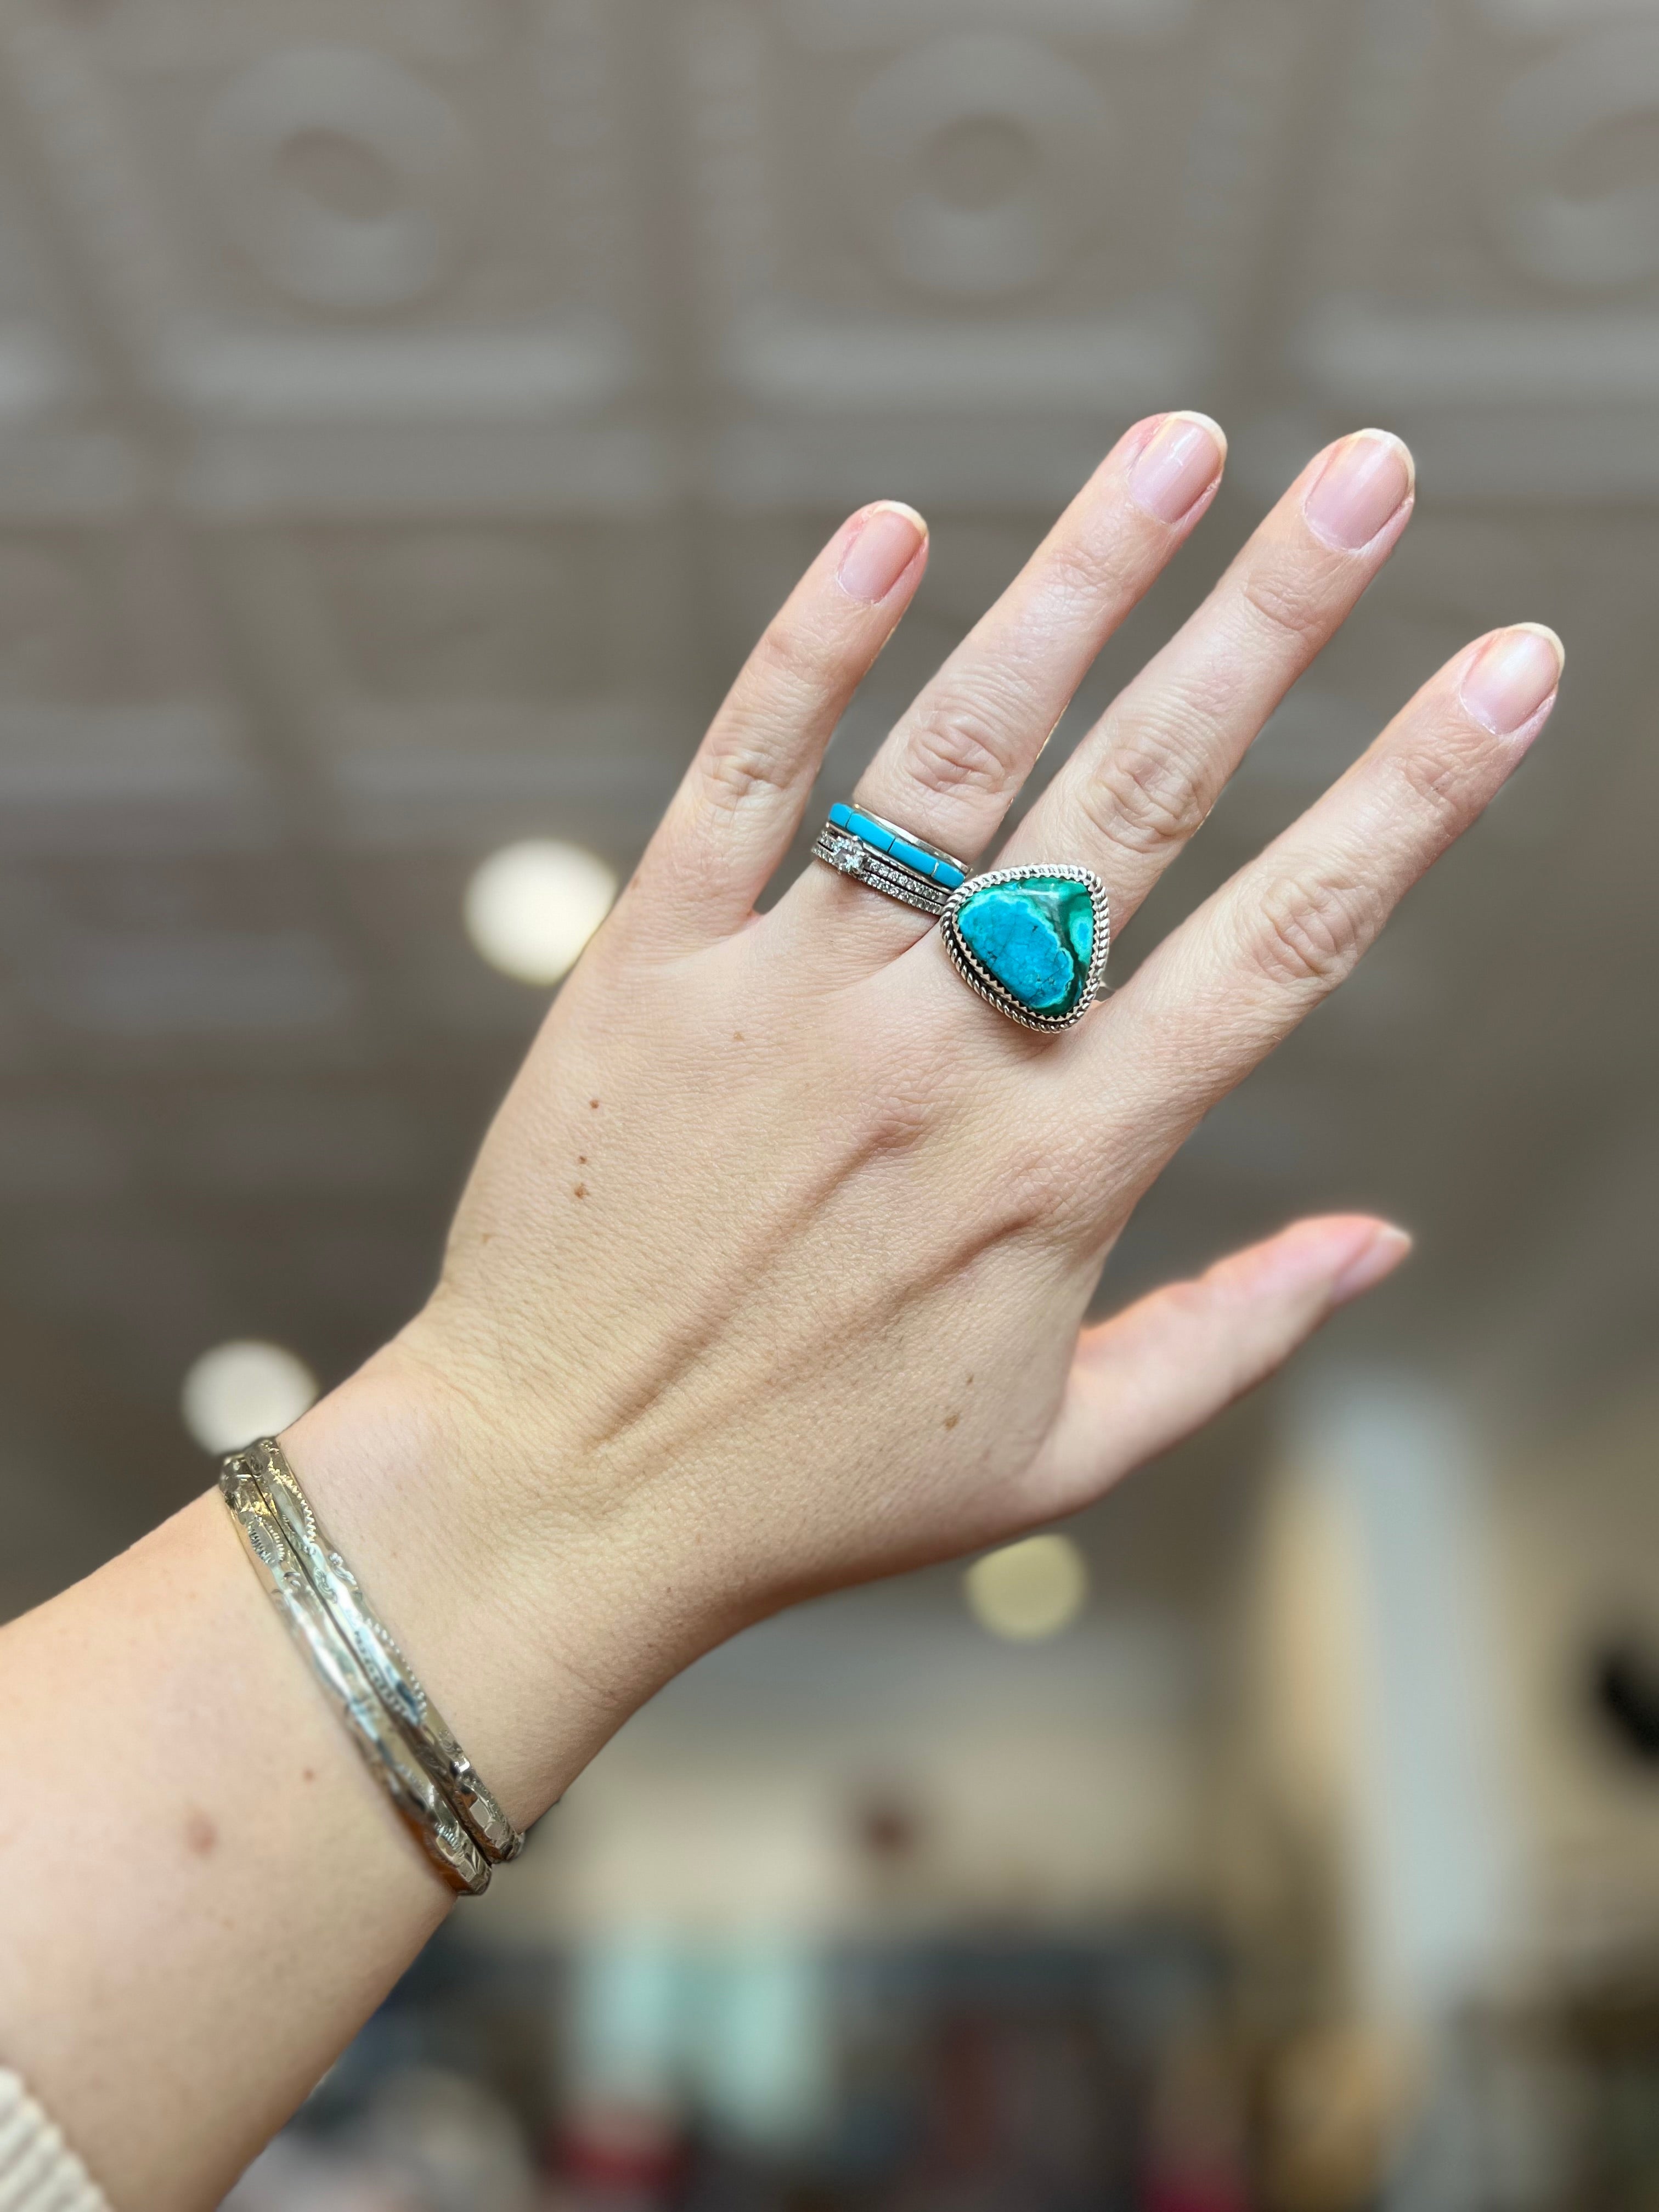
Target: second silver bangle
column 380, row 1741
column 428, row 1734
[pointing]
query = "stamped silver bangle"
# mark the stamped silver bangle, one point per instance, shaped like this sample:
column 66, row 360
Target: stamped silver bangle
column 430, row 1736
column 380, row 1741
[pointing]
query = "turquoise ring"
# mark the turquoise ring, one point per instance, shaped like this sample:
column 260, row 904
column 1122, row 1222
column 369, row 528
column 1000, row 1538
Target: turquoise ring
column 1031, row 941
column 885, row 858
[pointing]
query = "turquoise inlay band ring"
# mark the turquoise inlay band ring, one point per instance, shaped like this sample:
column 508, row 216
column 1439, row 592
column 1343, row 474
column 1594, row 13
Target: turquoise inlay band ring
column 889, row 860
column 1031, row 941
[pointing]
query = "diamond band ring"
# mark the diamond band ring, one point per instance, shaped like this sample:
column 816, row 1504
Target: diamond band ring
column 889, row 860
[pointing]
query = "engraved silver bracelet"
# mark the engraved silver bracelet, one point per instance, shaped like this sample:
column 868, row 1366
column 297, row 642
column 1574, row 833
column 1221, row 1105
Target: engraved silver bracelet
column 429, row 1734
column 402, row 1737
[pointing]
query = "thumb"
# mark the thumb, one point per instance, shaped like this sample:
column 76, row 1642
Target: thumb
column 1171, row 1362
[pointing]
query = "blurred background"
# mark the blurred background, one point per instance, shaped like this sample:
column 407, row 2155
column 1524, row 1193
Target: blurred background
column 409, row 411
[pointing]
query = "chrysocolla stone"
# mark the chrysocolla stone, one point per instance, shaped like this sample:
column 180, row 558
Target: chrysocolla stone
column 1038, row 938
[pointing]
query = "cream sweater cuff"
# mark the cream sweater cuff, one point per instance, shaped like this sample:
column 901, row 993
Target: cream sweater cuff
column 39, row 2172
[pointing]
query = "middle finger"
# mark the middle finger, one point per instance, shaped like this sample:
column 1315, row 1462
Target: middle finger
column 1143, row 780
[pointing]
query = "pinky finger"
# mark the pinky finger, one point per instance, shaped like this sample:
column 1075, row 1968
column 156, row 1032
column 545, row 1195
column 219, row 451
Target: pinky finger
column 1164, row 1366
column 732, row 818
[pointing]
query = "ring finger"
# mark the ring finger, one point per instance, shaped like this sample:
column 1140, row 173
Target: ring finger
column 1143, row 780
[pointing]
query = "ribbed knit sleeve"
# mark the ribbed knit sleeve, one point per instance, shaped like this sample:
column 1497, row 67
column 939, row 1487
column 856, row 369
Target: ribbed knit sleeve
column 39, row 2172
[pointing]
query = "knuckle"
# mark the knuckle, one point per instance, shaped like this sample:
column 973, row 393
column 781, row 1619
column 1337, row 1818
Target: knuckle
column 1078, row 577
column 1143, row 796
column 1440, row 782
column 899, row 1113
column 1309, row 932
column 1288, row 598
column 744, row 766
column 897, row 1093
column 789, row 662
column 962, row 747
column 1048, row 1191
column 750, row 752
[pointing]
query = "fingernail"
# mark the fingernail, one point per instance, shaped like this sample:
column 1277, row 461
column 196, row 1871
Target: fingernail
column 1512, row 676
column 1379, row 1256
column 1178, row 466
column 1360, row 489
column 887, row 540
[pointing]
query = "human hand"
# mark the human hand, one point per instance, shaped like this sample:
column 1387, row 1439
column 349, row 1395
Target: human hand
column 771, row 1274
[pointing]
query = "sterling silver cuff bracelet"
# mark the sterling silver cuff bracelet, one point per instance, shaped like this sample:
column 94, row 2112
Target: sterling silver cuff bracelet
column 428, row 1734
column 400, row 1735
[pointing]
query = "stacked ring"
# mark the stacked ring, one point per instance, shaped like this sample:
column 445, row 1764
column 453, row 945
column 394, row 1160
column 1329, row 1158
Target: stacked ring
column 1031, row 941
column 891, row 860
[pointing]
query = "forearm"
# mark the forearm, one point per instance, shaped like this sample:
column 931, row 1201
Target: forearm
column 204, row 1892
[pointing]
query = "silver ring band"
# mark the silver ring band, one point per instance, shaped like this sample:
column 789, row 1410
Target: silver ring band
column 890, row 859
column 865, row 865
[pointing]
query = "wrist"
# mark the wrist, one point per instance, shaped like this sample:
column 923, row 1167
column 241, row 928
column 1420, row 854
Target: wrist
column 521, row 1632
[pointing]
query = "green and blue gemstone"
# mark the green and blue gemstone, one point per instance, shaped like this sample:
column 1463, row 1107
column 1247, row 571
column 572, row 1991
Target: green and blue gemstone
column 1032, row 941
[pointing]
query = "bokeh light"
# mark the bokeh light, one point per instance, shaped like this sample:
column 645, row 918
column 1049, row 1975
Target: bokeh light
column 1029, row 1591
column 530, row 907
column 242, row 1390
